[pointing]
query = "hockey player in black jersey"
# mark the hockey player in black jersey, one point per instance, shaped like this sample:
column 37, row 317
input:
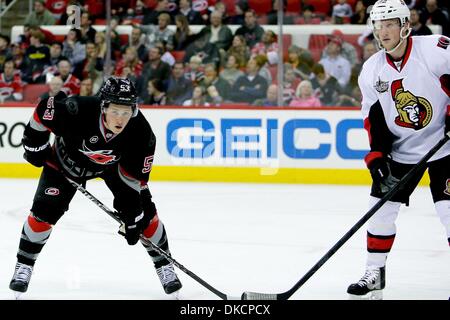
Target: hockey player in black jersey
column 104, row 136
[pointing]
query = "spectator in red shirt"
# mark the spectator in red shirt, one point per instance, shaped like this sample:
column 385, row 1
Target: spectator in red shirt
column 11, row 86
column 71, row 84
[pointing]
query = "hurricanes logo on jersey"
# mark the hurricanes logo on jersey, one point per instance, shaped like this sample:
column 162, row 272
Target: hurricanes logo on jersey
column 447, row 187
column 413, row 112
column 103, row 157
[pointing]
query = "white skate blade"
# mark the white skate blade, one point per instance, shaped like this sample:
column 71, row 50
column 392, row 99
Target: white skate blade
column 175, row 295
column 17, row 295
column 372, row 295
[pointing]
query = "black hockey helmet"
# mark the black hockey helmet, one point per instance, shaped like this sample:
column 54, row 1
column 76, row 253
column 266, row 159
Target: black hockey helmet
column 119, row 91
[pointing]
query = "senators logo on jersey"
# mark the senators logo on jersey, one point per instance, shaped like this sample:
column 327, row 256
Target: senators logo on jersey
column 447, row 187
column 413, row 112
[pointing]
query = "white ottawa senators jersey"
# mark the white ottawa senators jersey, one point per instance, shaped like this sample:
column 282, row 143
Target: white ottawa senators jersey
column 405, row 102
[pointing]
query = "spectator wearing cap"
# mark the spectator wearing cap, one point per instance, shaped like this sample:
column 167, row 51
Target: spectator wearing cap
column 348, row 51
column 40, row 16
column 11, row 86
column 5, row 50
column 251, row 30
column 336, row 64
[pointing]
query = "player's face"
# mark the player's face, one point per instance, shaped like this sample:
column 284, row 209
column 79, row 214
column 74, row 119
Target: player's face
column 388, row 31
column 117, row 117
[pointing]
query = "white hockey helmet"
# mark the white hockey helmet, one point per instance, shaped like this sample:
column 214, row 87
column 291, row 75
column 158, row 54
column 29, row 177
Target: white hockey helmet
column 390, row 9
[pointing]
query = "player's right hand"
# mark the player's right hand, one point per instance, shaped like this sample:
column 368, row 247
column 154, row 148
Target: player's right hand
column 36, row 155
column 381, row 175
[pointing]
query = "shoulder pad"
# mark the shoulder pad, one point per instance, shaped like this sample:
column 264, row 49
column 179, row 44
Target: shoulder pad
column 72, row 106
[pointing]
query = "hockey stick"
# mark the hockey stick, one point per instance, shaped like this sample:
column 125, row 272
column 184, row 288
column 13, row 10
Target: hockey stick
column 147, row 242
column 247, row 295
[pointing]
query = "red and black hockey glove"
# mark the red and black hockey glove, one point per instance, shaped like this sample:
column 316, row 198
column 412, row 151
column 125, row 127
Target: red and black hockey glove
column 36, row 154
column 382, row 177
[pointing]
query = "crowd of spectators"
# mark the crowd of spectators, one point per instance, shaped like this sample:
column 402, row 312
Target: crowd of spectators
column 212, row 67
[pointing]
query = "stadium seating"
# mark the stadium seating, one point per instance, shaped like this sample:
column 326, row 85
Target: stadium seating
column 320, row 6
column 32, row 92
column 260, row 6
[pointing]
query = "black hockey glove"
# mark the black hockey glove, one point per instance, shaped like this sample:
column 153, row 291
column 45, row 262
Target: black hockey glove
column 381, row 175
column 37, row 155
column 134, row 226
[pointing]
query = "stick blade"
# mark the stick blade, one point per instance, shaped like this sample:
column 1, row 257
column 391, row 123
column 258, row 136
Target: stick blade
column 248, row 295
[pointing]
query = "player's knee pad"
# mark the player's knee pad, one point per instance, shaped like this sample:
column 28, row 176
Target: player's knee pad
column 383, row 221
column 46, row 213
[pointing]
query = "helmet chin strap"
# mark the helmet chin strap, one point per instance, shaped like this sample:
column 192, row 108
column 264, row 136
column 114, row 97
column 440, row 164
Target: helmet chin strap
column 402, row 39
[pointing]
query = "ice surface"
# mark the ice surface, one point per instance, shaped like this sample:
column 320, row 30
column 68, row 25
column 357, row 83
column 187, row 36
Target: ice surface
column 236, row 237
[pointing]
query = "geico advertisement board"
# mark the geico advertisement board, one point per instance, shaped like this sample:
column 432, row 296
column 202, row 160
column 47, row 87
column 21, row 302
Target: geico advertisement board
column 234, row 137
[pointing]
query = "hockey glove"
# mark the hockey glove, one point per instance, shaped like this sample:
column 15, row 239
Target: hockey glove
column 133, row 227
column 381, row 175
column 37, row 155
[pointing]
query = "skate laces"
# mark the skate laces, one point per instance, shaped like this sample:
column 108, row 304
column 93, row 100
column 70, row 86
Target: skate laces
column 369, row 277
column 23, row 272
column 166, row 274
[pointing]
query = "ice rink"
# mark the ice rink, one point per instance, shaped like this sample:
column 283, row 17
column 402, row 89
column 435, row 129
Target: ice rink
column 237, row 237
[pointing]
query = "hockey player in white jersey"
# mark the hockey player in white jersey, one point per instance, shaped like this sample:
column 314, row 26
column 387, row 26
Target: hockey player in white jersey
column 406, row 110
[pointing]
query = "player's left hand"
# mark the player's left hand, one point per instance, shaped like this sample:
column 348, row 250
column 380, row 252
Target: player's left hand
column 134, row 226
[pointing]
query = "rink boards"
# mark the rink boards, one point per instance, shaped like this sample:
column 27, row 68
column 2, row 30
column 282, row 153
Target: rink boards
column 233, row 144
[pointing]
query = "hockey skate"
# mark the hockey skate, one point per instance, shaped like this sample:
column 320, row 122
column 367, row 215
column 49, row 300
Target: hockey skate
column 168, row 278
column 370, row 286
column 21, row 279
